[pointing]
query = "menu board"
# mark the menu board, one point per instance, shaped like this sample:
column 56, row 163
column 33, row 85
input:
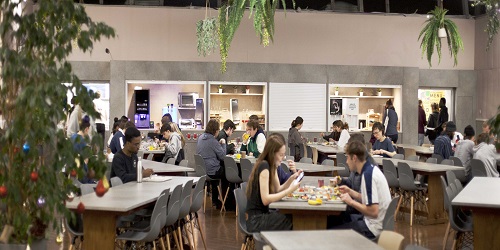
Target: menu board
column 429, row 96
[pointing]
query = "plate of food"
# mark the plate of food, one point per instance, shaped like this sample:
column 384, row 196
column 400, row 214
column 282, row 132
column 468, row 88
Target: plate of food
column 295, row 197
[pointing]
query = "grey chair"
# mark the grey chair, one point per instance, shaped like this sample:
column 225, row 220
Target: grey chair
column 150, row 156
column 477, row 168
column 447, row 162
column 456, row 161
column 306, row 160
column 173, row 207
column 171, row 161
column 76, row 228
column 149, row 236
column 341, row 159
column 140, row 154
column 459, row 173
column 116, row 181
column 399, row 156
column 196, row 203
column 184, row 210
column 328, row 162
column 407, row 184
column 438, row 157
column 201, row 171
column 87, row 188
column 444, row 185
column 400, row 150
column 243, row 186
column 345, row 172
column 246, row 168
column 231, row 172
column 432, row 160
column 391, row 175
column 413, row 158
column 463, row 228
column 184, row 163
column 241, row 202
column 309, row 152
column 388, row 223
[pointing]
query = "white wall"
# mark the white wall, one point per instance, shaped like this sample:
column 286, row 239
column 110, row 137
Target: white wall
column 169, row 34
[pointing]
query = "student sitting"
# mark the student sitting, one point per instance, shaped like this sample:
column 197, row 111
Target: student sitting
column 383, row 145
column 254, row 144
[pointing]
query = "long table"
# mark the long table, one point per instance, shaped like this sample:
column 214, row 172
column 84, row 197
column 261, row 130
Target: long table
column 435, row 205
column 317, row 170
column 481, row 196
column 320, row 239
column 164, row 168
column 101, row 213
column 309, row 217
column 327, row 149
column 424, row 151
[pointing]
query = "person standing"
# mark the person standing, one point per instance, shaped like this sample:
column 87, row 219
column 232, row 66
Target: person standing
column 391, row 121
column 421, row 123
column 432, row 123
column 487, row 154
column 295, row 139
column 443, row 115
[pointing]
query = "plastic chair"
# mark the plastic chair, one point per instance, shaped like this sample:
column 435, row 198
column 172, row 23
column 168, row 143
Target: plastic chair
column 309, row 152
column 231, row 171
column 400, row 150
column 391, row 174
column 328, row 162
column 345, row 172
column 246, row 169
column 243, row 186
column 477, row 168
column 456, row 161
column 390, row 240
column 438, row 157
column 399, row 156
column 407, row 183
column 462, row 228
column 447, row 162
column 413, row 158
column 171, row 161
column 150, row 156
column 259, row 242
column 185, row 207
column 196, row 203
column 341, row 159
column 389, row 218
column 140, row 154
column 201, row 171
column 184, row 163
column 432, row 160
column 306, row 160
column 173, row 207
column 76, row 229
column 241, row 202
column 116, row 181
column 87, row 188
column 155, row 225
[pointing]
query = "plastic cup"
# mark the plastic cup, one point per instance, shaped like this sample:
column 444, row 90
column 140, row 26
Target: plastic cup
column 243, row 154
column 321, row 183
column 315, row 139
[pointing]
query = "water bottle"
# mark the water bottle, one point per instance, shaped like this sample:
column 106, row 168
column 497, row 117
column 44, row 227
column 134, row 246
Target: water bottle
column 139, row 170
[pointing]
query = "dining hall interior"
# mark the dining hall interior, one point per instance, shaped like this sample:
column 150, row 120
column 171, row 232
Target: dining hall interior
column 355, row 74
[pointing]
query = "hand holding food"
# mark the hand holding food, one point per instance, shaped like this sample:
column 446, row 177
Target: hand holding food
column 346, row 198
column 322, row 134
column 344, row 189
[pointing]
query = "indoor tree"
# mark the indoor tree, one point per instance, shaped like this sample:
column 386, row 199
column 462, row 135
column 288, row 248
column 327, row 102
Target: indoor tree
column 36, row 40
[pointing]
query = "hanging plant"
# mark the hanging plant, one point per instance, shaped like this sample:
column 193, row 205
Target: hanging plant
column 206, row 33
column 430, row 35
column 230, row 18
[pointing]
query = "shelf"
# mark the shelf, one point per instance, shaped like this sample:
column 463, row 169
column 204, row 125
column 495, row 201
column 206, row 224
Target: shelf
column 357, row 96
column 251, row 94
column 187, row 108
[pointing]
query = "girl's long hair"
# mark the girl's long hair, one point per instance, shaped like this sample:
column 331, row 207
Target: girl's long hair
column 273, row 144
column 176, row 129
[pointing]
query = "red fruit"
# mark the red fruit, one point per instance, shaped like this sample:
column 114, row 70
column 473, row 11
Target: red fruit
column 16, row 150
column 73, row 173
column 81, row 208
column 34, row 176
column 3, row 191
column 99, row 189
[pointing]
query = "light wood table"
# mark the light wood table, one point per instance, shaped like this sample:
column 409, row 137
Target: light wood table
column 481, row 196
column 101, row 213
column 309, row 217
column 435, row 204
column 327, row 149
column 424, row 151
column 164, row 168
column 316, row 170
column 318, row 239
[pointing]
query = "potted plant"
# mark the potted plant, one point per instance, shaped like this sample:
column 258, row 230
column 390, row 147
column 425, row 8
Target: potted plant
column 379, row 92
column 437, row 27
column 34, row 148
column 360, row 91
column 206, row 33
column 247, row 89
column 336, row 91
column 220, row 88
column 235, row 89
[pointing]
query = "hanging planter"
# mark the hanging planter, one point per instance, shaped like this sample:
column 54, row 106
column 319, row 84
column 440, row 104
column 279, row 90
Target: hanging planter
column 432, row 33
column 206, row 34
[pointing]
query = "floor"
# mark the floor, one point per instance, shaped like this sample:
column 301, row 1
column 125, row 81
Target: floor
column 221, row 233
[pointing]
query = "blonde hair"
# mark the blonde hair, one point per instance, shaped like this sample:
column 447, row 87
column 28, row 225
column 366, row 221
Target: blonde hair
column 176, row 129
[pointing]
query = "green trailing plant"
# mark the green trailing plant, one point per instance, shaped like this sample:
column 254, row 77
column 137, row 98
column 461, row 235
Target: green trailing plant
column 492, row 8
column 494, row 124
column 431, row 39
column 206, row 34
column 230, row 16
column 34, row 150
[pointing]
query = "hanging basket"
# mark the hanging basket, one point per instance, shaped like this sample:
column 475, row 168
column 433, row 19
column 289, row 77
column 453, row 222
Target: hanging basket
column 442, row 33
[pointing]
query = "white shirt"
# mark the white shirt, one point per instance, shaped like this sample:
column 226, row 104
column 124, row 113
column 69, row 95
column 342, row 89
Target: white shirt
column 344, row 137
column 261, row 142
column 456, row 138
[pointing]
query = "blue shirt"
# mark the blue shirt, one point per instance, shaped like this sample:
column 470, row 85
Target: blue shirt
column 385, row 145
column 442, row 146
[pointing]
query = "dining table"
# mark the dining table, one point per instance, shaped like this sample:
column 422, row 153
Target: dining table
column 101, row 213
column 309, row 217
column 481, row 196
column 435, row 213
column 317, row 239
column 422, row 151
column 161, row 168
column 327, row 149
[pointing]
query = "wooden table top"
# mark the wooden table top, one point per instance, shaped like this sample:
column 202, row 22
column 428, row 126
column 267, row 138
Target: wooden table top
column 418, row 149
column 128, row 196
column 420, row 166
column 160, row 167
column 328, row 149
column 312, row 168
column 478, row 193
column 318, row 239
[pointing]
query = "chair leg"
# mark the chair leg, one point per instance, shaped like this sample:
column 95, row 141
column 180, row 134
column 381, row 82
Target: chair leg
column 168, row 241
column 446, row 234
column 192, row 233
column 201, row 232
column 397, row 208
column 176, row 239
column 190, row 236
column 411, row 210
column 224, row 201
column 180, row 237
column 205, row 199
column 454, row 245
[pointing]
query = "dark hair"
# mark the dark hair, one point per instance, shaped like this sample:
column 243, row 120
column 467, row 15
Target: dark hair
column 212, row 127
column 379, row 126
column 357, row 137
column 85, row 123
column 273, row 144
column 356, row 148
column 469, row 132
column 338, row 124
column 131, row 133
column 229, row 124
column 253, row 124
column 124, row 118
column 167, row 115
column 483, row 137
column 419, row 102
column 442, row 102
column 388, row 103
column 297, row 121
column 128, row 125
column 253, row 117
column 116, row 119
column 116, row 125
column 434, row 106
column 166, row 127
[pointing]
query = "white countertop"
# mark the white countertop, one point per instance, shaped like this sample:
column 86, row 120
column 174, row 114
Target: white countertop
column 311, row 168
column 160, row 167
column 418, row 149
column 318, row 239
column 329, row 149
column 420, row 166
column 480, row 192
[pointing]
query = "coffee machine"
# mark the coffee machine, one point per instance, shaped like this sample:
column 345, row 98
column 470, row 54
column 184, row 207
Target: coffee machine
column 199, row 113
column 141, row 116
column 234, row 112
